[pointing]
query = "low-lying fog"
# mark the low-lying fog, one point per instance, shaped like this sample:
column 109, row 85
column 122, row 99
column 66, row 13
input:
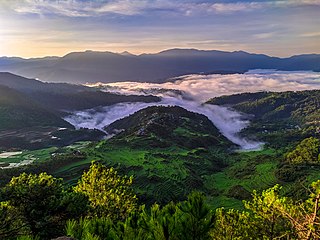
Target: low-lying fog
column 191, row 91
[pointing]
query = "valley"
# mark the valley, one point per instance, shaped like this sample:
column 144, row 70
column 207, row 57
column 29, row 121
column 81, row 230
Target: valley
column 159, row 120
column 226, row 147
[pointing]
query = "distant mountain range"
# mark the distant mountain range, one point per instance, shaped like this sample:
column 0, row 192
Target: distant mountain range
column 90, row 66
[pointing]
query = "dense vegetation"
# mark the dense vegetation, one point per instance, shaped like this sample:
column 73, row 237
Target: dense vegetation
column 167, row 126
column 19, row 111
column 31, row 111
column 103, row 206
column 171, row 152
column 63, row 96
column 272, row 112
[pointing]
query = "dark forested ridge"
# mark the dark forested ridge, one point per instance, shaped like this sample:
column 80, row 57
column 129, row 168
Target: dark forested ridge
column 31, row 111
column 19, row 111
column 90, row 66
column 63, row 96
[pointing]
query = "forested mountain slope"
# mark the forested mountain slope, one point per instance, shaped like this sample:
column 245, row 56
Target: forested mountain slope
column 18, row 111
column 63, row 96
column 301, row 107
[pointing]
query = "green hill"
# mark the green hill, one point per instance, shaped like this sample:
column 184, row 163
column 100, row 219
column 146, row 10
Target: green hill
column 160, row 126
column 169, row 150
column 18, row 111
column 296, row 107
column 63, row 96
column 278, row 117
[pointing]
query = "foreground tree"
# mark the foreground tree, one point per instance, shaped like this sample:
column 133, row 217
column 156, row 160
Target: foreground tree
column 11, row 223
column 197, row 218
column 232, row 224
column 305, row 216
column 42, row 204
column 267, row 221
column 109, row 194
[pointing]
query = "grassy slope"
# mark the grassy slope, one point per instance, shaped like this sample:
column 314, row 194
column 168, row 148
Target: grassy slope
column 168, row 172
column 281, row 120
column 168, row 164
column 168, row 150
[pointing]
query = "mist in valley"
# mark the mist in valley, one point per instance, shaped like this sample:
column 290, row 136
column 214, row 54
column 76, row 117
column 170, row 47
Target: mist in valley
column 191, row 92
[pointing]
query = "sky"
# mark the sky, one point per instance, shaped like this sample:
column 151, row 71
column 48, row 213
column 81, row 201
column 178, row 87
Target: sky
column 36, row 28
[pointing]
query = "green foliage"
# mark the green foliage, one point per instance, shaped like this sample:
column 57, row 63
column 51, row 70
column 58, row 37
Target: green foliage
column 38, row 198
column 239, row 192
column 18, row 111
column 290, row 107
column 27, row 237
column 267, row 219
column 279, row 118
column 42, row 203
column 267, row 216
column 232, row 224
column 188, row 220
column 163, row 223
column 90, row 229
column 109, row 194
column 197, row 218
column 307, row 152
column 10, row 221
column 307, row 217
column 163, row 127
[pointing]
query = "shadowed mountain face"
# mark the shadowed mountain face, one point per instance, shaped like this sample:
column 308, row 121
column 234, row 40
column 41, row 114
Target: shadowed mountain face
column 62, row 96
column 19, row 111
column 30, row 111
column 89, row 66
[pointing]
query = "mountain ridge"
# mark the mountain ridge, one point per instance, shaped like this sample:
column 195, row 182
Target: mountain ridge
column 95, row 66
column 64, row 96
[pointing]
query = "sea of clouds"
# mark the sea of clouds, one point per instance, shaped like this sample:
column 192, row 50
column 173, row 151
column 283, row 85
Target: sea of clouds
column 192, row 91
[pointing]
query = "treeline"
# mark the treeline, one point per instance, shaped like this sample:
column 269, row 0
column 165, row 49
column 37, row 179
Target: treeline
column 103, row 206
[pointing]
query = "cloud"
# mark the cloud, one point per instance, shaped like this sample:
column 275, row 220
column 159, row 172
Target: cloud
column 45, row 7
column 235, row 7
column 193, row 90
column 80, row 8
column 311, row 34
column 204, row 87
column 265, row 35
column 228, row 121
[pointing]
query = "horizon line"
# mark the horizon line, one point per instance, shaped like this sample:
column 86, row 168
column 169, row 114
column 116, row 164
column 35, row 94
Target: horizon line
column 149, row 53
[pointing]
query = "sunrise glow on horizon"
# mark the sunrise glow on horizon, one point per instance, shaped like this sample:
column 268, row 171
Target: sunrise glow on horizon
column 37, row 28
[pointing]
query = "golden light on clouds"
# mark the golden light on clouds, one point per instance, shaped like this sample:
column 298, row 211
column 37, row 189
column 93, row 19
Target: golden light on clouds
column 34, row 28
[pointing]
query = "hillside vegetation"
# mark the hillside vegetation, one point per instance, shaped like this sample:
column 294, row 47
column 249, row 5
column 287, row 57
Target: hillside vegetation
column 169, row 153
column 18, row 111
column 103, row 206
column 66, row 97
column 301, row 108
